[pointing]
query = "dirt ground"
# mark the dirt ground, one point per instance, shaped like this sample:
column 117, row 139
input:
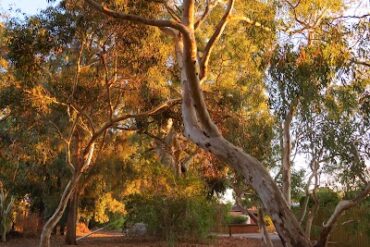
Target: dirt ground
column 112, row 239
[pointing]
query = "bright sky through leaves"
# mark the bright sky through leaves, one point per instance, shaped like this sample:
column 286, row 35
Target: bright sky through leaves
column 26, row 6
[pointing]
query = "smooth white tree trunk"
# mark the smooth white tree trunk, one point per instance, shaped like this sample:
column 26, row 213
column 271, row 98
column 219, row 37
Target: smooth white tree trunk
column 58, row 213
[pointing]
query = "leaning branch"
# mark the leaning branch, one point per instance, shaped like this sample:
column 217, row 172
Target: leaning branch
column 216, row 35
column 135, row 18
column 339, row 210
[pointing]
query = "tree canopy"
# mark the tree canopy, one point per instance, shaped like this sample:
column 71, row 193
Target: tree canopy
column 106, row 106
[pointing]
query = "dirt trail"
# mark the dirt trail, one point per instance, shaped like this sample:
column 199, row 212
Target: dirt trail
column 115, row 239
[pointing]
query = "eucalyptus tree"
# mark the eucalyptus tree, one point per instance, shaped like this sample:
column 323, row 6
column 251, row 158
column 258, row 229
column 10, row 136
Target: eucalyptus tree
column 296, row 79
column 72, row 86
column 302, row 26
column 199, row 127
column 335, row 140
column 346, row 139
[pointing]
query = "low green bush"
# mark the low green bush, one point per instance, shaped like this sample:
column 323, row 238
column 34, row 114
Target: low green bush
column 173, row 218
column 236, row 219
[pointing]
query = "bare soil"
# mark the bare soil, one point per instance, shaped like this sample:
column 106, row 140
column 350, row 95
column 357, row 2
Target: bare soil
column 114, row 239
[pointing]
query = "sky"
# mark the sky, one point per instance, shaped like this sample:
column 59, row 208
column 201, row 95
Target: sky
column 28, row 7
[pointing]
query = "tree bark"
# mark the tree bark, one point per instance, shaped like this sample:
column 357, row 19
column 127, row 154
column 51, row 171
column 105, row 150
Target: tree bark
column 313, row 211
column 286, row 164
column 68, row 191
column 200, row 128
column 310, row 217
column 265, row 234
column 285, row 222
column 202, row 131
column 286, row 153
column 71, row 236
column 58, row 213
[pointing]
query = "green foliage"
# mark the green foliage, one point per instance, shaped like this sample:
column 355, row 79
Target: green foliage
column 173, row 218
column 328, row 199
column 116, row 222
column 298, row 183
column 56, row 62
column 353, row 227
column 174, row 208
column 236, row 219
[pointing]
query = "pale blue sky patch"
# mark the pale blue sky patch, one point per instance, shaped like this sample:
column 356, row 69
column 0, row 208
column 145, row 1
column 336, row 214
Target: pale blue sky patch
column 29, row 7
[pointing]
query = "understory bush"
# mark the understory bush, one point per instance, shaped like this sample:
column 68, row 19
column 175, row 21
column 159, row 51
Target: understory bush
column 173, row 218
column 236, row 219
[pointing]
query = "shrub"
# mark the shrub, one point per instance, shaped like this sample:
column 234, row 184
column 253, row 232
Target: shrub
column 236, row 219
column 173, row 218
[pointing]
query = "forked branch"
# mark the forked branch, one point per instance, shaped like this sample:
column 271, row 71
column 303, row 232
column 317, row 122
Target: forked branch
column 214, row 38
column 116, row 120
column 339, row 210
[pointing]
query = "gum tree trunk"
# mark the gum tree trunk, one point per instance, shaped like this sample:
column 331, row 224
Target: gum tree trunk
column 286, row 153
column 71, row 238
column 58, row 213
column 67, row 193
column 286, row 163
column 200, row 128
